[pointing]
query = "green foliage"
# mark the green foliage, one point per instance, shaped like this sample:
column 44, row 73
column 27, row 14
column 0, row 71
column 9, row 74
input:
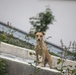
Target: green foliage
column 3, row 67
column 2, row 37
column 59, row 61
column 9, row 38
column 35, row 60
column 65, row 70
column 74, row 71
column 74, row 55
column 36, row 69
column 73, row 47
column 42, row 21
column 32, row 53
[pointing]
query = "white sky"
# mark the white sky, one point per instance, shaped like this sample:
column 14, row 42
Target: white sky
column 18, row 13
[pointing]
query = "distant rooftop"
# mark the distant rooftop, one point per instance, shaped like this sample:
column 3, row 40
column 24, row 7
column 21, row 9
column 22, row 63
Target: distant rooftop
column 8, row 25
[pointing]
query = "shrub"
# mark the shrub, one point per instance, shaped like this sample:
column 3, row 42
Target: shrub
column 3, row 67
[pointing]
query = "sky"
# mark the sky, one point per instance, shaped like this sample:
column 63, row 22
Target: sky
column 18, row 12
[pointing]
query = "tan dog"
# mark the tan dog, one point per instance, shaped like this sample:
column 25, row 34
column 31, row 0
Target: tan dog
column 41, row 50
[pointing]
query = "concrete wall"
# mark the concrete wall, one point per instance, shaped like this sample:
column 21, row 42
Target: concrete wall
column 24, row 53
column 17, row 67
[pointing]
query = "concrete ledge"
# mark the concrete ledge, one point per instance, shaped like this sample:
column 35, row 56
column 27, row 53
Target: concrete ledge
column 24, row 53
column 17, row 67
column 14, row 50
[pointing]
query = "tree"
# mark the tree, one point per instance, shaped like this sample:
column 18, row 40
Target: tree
column 42, row 21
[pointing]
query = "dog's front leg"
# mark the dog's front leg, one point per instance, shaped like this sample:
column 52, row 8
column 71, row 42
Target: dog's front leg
column 37, row 58
column 36, row 55
column 43, row 59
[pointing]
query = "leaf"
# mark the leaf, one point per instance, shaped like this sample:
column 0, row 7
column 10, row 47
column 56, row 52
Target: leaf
column 70, row 65
column 30, row 53
column 73, row 71
column 59, row 61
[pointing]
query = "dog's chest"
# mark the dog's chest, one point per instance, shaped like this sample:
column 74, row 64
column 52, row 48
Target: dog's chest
column 39, row 50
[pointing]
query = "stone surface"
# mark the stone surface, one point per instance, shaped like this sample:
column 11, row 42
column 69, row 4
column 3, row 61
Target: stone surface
column 24, row 53
column 17, row 67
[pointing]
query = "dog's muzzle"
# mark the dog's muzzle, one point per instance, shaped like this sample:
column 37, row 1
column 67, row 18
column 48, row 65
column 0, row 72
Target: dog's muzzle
column 38, row 40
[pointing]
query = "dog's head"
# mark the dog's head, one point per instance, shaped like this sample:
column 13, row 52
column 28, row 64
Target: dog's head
column 39, row 36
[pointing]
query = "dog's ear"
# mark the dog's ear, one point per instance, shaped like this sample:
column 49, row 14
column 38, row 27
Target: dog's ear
column 43, row 33
column 35, row 32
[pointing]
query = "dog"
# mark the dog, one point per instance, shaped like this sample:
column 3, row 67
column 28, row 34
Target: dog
column 41, row 49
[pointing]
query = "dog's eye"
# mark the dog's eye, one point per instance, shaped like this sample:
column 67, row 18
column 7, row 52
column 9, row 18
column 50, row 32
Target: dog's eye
column 40, row 35
column 36, row 35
